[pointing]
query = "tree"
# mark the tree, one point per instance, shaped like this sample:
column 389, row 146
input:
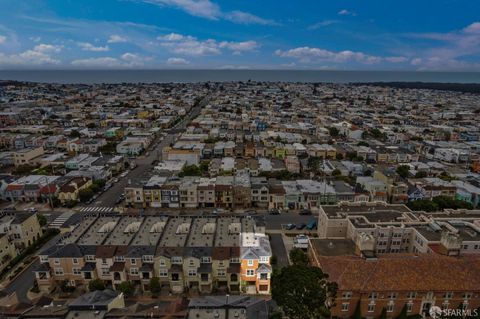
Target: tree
column 127, row 288
column 421, row 174
column 383, row 314
column 190, row 170
column 403, row 171
column 313, row 163
column 85, row 194
column 357, row 314
column 303, row 292
column 155, row 286
column 298, row 257
column 333, row 131
column 75, row 134
column 96, row 284
column 403, row 313
column 336, row 172
column 363, row 143
column 42, row 220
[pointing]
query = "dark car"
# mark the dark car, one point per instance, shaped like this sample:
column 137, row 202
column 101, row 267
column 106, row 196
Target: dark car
column 274, row 212
column 312, row 225
column 301, row 226
column 305, row 212
column 290, row 226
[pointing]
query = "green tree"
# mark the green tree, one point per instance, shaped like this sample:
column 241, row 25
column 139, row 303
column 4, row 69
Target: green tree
column 336, row 172
column 155, row 286
column 421, row 174
column 403, row 171
column 313, row 163
column 75, row 134
column 127, row 288
column 96, row 284
column 303, row 292
column 85, row 194
column 190, row 170
column 298, row 257
column 333, row 131
column 403, row 313
column 383, row 314
column 357, row 314
column 42, row 220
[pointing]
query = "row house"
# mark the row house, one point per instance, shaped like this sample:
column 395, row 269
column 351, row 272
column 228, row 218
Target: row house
column 184, row 253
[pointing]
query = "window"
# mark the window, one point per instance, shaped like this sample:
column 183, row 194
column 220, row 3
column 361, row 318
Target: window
column 133, row 271
column 75, row 261
column 163, row 273
column 345, row 306
column 448, row 295
column 56, row 261
column 347, row 295
column 234, row 260
column 133, row 261
column 192, row 272
column 250, row 262
column 148, row 258
column 372, row 295
column 177, row 260
column 120, row 258
column 76, row 271
column 409, row 307
column 192, row 262
column 264, row 259
column 467, row 295
column 371, row 307
column 392, row 295
column 206, row 260
column 221, row 273
column 250, row 272
column 390, row 307
column 58, row 271
column 104, row 261
column 43, row 259
column 105, row 271
column 90, row 258
column 411, row 295
column 162, row 262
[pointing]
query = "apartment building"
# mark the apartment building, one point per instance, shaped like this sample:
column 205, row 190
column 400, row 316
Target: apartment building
column 387, row 229
column 26, row 155
column 17, row 231
column 185, row 253
column 412, row 283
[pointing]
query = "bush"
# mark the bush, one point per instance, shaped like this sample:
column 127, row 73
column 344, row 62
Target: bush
column 298, row 257
column 127, row 288
column 155, row 286
column 96, row 284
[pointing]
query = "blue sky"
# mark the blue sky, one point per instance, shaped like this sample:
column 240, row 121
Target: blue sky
column 242, row 34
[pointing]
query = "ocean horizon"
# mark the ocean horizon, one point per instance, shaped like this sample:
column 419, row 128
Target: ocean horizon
column 198, row 75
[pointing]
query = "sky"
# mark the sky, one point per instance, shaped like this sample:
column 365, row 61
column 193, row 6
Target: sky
column 425, row 35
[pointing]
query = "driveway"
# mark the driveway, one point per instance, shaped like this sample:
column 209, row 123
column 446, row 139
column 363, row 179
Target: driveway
column 278, row 250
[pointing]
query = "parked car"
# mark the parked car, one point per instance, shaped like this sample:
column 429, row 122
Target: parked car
column 301, row 226
column 274, row 212
column 312, row 225
column 305, row 212
column 290, row 226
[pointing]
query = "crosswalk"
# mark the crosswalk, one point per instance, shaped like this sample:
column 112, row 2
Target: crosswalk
column 60, row 220
column 96, row 209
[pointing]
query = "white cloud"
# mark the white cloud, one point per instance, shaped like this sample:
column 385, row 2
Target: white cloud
column 107, row 62
column 90, row 47
column 126, row 60
column 322, row 24
column 36, row 39
column 473, row 28
column 48, row 48
column 198, row 8
column 241, row 17
column 115, row 38
column 190, row 45
column 39, row 55
column 3, row 39
column 177, row 61
column 396, row 59
column 315, row 55
column 210, row 10
column 346, row 12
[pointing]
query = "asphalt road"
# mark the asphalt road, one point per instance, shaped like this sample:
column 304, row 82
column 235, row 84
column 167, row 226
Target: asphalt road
column 144, row 163
column 24, row 281
column 278, row 250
